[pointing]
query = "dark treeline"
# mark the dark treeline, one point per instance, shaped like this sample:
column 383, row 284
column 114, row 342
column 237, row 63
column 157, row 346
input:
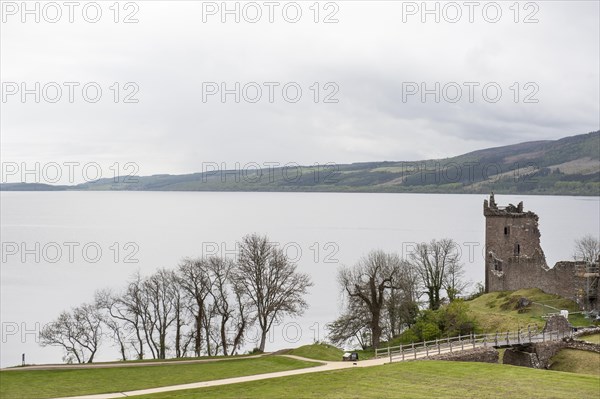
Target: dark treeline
column 204, row 307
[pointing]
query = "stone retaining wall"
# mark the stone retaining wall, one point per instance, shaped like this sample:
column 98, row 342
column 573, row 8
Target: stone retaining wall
column 586, row 331
column 483, row 355
column 538, row 355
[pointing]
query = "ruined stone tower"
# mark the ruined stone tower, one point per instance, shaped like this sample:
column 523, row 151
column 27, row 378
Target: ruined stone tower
column 515, row 260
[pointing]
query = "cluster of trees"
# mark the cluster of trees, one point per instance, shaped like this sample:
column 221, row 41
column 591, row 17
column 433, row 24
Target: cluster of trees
column 206, row 306
column 382, row 292
column 203, row 307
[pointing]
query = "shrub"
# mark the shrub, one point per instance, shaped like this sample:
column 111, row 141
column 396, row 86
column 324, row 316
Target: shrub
column 448, row 321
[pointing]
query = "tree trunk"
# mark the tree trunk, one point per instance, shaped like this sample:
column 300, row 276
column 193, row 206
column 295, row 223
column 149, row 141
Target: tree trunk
column 376, row 329
column 141, row 343
column 224, row 335
column 198, row 337
column 123, row 350
column 238, row 337
column 162, row 352
column 178, row 339
column 263, row 340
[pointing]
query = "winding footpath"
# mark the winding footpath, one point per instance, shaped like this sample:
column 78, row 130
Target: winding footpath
column 322, row 366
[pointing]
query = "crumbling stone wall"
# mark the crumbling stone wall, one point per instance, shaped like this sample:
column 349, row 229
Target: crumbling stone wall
column 582, row 346
column 515, row 259
column 482, row 355
column 582, row 332
column 558, row 323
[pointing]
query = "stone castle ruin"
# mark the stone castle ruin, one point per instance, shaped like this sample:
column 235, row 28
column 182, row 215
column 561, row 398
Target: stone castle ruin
column 515, row 260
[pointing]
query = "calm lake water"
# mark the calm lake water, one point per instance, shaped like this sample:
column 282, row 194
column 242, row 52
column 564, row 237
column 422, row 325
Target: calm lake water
column 91, row 240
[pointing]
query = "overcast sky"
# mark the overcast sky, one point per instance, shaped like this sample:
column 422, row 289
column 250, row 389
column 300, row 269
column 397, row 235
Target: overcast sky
column 373, row 63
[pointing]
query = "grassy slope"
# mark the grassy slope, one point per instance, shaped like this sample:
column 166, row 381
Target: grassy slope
column 594, row 339
column 318, row 352
column 496, row 311
column 51, row 383
column 427, row 379
column 576, row 361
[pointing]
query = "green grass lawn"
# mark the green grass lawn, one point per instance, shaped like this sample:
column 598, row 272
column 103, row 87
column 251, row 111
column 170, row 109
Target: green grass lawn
column 594, row 339
column 424, row 379
column 318, row 352
column 52, row 383
column 172, row 359
column 576, row 361
column 497, row 311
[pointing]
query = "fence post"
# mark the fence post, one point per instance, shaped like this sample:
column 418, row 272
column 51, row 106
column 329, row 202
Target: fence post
column 496, row 339
column 414, row 351
column 519, row 335
column 402, row 350
column 462, row 343
column 437, row 342
column 507, row 340
column 390, row 354
column 450, row 342
column 473, row 339
column 543, row 336
column 426, row 349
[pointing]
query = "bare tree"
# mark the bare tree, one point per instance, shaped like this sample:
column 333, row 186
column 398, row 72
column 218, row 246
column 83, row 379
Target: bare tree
column 402, row 303
column 352, row 325
column 228, row 304
column 368, row 281
column 104, row 301
column 159, row 289
column 78, row 332
column 453, row 280
column 241, row 318
column 135, row 304
column 211, row 332
column 270, row 281
column 431, row 261
column 195, row 281
column 183, row 338
column 130, row 308
column 587, row 249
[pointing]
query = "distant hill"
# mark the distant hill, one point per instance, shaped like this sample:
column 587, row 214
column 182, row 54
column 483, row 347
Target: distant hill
column 569, row 166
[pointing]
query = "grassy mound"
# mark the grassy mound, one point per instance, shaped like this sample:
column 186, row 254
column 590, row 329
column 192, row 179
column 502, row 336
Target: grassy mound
column 499, row 311
column 426, row 379
column 318, row 352
column 576, row 361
